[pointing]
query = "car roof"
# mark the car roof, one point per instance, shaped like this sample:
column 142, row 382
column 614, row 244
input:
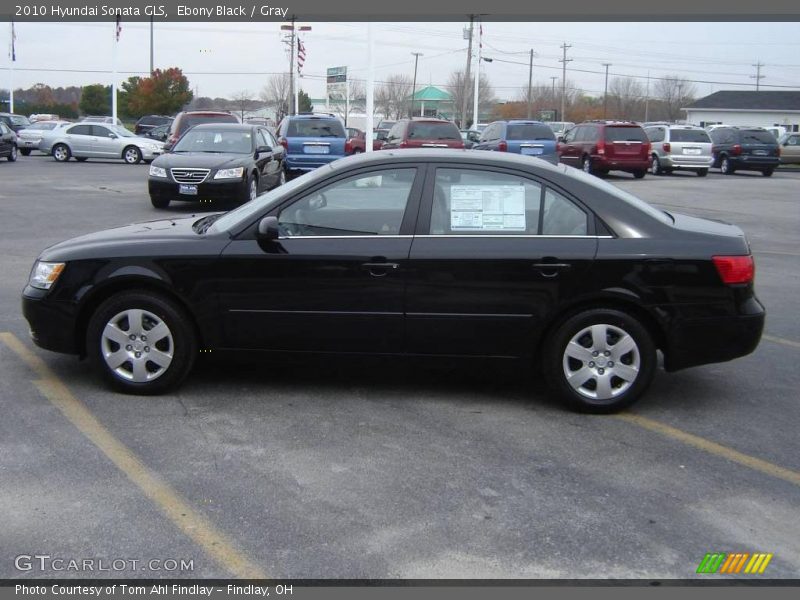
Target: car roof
column 228, row 126
column 209, row 113
column 524, row 122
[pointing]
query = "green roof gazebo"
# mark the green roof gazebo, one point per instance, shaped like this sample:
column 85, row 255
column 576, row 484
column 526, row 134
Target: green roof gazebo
column 430, row 101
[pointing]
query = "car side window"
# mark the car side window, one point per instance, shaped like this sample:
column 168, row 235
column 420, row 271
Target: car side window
column 80, row 130
column 3, row 129
column 262, row 138
column 561, row 216
column 793, row 141
column 481, row 202
column 396, row 132
column 100, row 131
column 271, row 141
column 368, row 204
column 655, row 134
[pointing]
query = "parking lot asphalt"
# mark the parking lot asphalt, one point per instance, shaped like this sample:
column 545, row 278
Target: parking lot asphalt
column 374, row 469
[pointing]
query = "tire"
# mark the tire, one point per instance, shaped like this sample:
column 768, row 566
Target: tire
column 765, row 172
column 702, row 172
column 586, row 165
column 357, row 151
column 12, row 156
column 281, row 178
column 159, row 202
column 571, row 348
column 61, row 152
column 640, row 174
column 25, row 152
column 81, row 158
column 164, row 360
column 655, row 166
column 132, row 155
column 251, row 189
column 725, row 166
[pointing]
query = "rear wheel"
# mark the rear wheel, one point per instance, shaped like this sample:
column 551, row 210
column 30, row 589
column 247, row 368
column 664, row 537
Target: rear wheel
column 142, row 342
column 725, row 166
column 767, row 172
column 12, row 156
column 702, row 172
column 586, row 165
column 640, row 174
column 281, row 178
column 81, row 158
column 61, row 152
column 655, row 166
column 600, row 360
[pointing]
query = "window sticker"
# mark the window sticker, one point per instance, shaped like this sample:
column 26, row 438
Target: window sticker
column 487, row 208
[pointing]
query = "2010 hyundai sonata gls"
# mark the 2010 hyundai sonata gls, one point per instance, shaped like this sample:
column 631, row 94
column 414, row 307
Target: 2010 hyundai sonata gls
column 439, row 253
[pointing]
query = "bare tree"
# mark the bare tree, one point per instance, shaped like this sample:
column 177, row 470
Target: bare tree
column 354, row 103
column 625, row 98
column 276, row 94
column 674, row 92
column 486, row 97
column 393, row 96
column 242, row 100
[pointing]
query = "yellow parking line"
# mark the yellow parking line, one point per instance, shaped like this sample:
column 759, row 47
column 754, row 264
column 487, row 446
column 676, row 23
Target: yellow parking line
column 177, row 510
column 700, row 443
column 780, row 340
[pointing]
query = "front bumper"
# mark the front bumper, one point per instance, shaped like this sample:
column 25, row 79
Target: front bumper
column 150, row 154
column 700, row 341
column 225, row 190
column 52, row 324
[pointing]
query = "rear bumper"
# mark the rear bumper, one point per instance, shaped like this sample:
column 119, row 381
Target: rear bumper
column 309, row 162
column 209, row 190
column 670, row 161
column 755, row 163
column 24, row 144
column 602, row 162
column 693, row 342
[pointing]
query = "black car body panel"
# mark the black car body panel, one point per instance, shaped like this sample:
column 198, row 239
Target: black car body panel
column 413, row 292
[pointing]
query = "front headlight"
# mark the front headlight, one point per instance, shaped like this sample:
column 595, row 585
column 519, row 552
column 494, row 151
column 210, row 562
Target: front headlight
column 229, row 173
column 45, row 274
column 157, row 171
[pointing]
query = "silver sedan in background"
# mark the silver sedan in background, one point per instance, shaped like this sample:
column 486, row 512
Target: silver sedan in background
column 94, row 140
column 28, row 139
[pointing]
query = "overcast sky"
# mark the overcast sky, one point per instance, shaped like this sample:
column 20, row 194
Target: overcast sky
column 716, row 55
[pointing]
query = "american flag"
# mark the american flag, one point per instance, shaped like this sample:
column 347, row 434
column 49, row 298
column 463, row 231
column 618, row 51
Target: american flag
column 480, row 36
column 301, row 54
column 119, row 27
column 13, row 43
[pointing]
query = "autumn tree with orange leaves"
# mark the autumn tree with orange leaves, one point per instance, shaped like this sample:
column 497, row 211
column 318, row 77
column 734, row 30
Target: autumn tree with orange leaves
column 165, row 92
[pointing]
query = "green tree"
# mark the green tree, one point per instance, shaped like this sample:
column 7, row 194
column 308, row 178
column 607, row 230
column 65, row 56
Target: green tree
column 96, row 99
column 125, row 92
column 304, row 102
column 165, row 92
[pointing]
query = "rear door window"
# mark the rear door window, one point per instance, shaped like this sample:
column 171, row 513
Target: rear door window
column 529, row 131
column 80, row 130
column 615, row 133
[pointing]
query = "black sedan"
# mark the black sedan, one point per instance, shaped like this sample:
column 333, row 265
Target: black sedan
column 8, row 143
column 435, row 253
column 218, row 162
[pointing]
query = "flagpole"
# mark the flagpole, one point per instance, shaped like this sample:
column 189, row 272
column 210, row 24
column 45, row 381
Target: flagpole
column 477, row 78
column 370, row 86
column 11, row 72
column 114, row 73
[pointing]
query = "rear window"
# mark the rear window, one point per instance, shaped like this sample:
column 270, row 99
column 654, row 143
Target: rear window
column 191, row 120
column 43, row 126
column 755, row 136
column 433, row 131
column 697, row 136
column 616, row 133
column 530, row 131
column 315, row 128
column 154, row 120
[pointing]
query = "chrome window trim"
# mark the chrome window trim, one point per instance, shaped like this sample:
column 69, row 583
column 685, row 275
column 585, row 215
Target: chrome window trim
column 384, row 237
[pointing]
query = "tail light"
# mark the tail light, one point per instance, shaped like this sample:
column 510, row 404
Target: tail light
column 666, row 147
column 601, row 147
column 778, row 151
column 735, row 269
column 736, row 150
column 284, row 142
column 502, row 146
column 403, row 144
column 348, row 147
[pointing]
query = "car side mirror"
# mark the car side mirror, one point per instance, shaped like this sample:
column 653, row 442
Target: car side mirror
column 268, row 229
column 561, row 139
column 112, row 136
column 263, row 149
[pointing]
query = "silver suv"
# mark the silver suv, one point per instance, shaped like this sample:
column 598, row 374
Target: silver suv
column 679, row 147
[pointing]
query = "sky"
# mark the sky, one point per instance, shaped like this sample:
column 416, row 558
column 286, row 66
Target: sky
column 223, row 59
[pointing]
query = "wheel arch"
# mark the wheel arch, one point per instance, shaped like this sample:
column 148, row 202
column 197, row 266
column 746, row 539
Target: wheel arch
column 127, row 283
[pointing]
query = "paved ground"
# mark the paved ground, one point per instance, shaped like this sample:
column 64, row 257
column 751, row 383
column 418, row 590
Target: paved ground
column 367, row 469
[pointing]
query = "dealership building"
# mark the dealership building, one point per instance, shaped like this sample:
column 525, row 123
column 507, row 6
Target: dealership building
column 750, row 108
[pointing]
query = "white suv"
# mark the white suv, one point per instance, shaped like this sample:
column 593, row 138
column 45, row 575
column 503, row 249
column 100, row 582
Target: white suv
column 679, row 147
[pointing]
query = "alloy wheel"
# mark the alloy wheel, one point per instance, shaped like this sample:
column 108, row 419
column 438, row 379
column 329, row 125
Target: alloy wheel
column 137, row 345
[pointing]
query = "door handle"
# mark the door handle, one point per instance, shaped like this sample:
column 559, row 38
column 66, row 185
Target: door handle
column 379, row 269
column 551, row 269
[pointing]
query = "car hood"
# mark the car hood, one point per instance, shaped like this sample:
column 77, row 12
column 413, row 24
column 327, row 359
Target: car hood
column 150, row 238
column 204, row 160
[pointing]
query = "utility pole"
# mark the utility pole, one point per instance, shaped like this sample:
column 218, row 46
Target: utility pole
column 530, row 84
column 605, row 91
column 293, row 76
column 554, row 78
column 647, row 100
column 564, row 62
column 414, row 86
column 151, row 45
column 476, row 91
column 465, row 91
column 758, row 76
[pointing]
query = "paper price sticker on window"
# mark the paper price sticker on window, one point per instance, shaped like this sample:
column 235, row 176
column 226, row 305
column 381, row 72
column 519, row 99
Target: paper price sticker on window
column 487, row 208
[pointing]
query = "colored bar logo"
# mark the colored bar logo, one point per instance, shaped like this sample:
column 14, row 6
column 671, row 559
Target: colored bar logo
column 734, row 563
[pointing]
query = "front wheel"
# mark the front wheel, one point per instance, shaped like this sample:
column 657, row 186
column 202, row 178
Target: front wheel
column 765, row 172
column 640, row 174
column 12, row 156
column 281, row 177
column 655, row 166
column 159, row 202
column 586, row 165
column 142, row 342
column 61, row 152
column 25, row 152
column 251, row 189
column 132, row 155
column 726, row 167
column 600, row 360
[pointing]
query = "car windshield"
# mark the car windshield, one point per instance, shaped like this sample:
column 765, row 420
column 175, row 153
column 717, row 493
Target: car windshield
column 215, row 141
column 621, row 194
column 530, row 131
column 243, row 214
column 433, row 131
column 311, row 128
column 697, row 136
column 19, row 120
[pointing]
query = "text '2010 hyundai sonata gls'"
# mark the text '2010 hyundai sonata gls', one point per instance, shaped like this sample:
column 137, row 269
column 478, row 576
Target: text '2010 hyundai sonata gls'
column 439, row 253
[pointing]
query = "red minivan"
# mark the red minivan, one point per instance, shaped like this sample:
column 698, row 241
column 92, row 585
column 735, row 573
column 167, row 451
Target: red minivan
column 598, row 147
column 423, row 133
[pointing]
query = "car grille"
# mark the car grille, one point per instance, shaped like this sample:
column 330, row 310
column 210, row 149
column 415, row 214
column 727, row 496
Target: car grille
column 190, row 175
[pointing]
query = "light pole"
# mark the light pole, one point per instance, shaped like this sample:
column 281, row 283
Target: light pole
column 530, row 83
column 414, row 86
column 605, row 91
